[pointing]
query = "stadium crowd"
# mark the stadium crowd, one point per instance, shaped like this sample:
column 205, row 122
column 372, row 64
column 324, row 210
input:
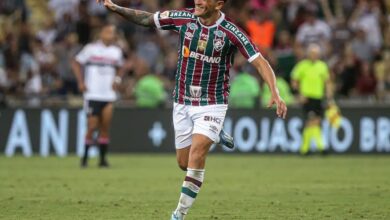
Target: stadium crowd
column 38, row 39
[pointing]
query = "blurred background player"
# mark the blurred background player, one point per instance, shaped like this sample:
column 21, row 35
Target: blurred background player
column 208, row 41
column 311, row 78
column 96, row 69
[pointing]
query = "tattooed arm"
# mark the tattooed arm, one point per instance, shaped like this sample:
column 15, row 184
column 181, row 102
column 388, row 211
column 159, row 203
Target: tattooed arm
column 139, row 17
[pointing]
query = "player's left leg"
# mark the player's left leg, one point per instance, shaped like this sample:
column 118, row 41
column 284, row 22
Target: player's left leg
column 195, row 174
column 208, row 122
column 104, row 133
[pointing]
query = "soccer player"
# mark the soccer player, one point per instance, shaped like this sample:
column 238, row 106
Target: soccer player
column 96, row 69
column 311, row 78
column 208, row 41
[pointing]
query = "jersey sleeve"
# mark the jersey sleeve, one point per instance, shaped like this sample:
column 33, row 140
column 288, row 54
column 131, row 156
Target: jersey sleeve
column 244, row 44
column 83, row 56
column 172, row 20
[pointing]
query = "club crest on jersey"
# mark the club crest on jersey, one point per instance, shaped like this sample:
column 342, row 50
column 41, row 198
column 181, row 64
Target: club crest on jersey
column 218, row 44
column 192, row 26
column 195, row 91
column 164, row 15
column 202, row 45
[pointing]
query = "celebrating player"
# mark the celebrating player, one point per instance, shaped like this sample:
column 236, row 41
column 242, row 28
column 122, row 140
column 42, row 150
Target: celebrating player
column 208, row 41
column 100, row 61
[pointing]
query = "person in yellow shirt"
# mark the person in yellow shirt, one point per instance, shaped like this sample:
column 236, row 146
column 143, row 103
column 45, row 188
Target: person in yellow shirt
column 310, row 77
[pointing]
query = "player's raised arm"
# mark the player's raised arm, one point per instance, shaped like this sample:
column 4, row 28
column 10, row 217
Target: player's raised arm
column 139, row 17
column 266, row 72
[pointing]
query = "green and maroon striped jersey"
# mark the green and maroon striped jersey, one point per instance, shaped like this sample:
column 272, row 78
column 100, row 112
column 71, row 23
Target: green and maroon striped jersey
column 205, row 56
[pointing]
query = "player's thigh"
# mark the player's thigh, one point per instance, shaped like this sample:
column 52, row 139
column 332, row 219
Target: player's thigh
column 106, row 116
column 183, row 126
column 92, row 109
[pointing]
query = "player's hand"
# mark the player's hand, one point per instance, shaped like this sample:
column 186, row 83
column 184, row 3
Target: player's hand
column 82, row 87
column 107, row 3
column 281, row 108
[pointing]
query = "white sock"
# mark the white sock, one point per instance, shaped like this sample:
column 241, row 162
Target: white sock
column 190, row 189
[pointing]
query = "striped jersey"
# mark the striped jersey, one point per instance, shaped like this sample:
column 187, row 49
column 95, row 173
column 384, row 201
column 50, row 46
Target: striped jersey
column 100, row 64
column 205, row 56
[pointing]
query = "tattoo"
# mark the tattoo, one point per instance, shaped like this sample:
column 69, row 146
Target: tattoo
column 139, row 17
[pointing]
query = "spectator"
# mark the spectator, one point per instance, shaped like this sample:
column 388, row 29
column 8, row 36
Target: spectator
column 313, row 30
column 284, row 91
column 363, row 50
column 244, row 91
column 284, row 55
column 64, row 52
column 366, row 81
column 149, row 89
column 366, row 17
column 261, row 29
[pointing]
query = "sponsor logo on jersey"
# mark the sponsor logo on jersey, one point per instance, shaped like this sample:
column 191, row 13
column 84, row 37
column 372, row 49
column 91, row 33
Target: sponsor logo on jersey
column 238, row 33
column 189, row 35
column 164, row 15
column 182, row 14
column 191, row 54
column 204, row 36
column 202, row 45
column 195, row 91
column 218, row 44
column 220, row 33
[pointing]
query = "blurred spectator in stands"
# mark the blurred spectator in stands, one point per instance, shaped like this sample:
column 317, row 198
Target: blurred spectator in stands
column 244, row 91
column 65, row 51
column 149, row 90
column 83, row 27
column 33, row 88
column 149, row 50
column 346, row 71
column 65, row 26
column 14, row 7
column 48, row 33
column 382, row 73
column 363, row 50
column 284, row 91
column 61, row 7
column 366, row 16
column 261, row 29
column 366, row 82
column 341, row 33
column 313, row 30
column 283, row 54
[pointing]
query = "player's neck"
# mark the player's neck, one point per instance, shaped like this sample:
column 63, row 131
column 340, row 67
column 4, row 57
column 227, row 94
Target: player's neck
column 212, row 19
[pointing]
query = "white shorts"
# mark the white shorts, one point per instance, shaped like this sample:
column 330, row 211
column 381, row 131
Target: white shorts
column 206, row 120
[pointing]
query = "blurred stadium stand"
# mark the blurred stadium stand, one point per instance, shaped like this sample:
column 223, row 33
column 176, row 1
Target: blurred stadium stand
column 39, row 37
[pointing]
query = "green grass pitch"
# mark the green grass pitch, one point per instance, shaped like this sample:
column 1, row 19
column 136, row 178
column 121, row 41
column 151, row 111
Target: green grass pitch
column 140, row 186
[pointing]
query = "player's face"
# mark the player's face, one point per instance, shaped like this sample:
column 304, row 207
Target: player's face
column 108, row 34
column 205, row 8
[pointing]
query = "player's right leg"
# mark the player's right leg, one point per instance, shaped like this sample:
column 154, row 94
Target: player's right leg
column 92, row 125
column 104, row 135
